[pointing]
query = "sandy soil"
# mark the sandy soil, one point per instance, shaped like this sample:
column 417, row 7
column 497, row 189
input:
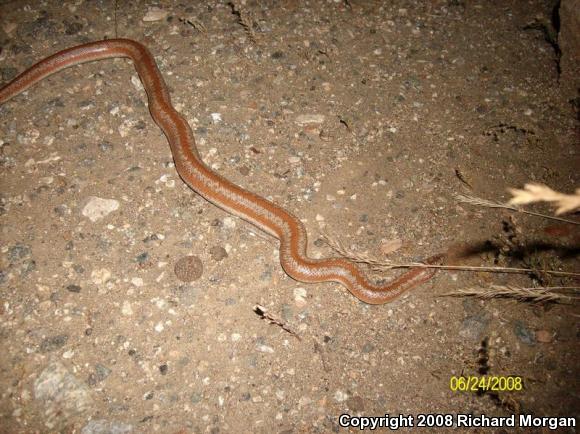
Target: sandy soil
column 413, row 101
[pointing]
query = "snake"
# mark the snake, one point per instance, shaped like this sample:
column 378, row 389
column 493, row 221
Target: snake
column 260, row 212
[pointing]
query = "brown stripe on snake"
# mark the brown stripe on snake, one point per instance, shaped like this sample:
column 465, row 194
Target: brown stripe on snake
column 256, row 210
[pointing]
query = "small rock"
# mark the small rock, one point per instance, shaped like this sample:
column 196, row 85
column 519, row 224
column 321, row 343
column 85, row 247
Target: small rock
column 100, row 276
column 300, row 296
column 127, row 310
column 53, row 343
column 102, row 426
column 73, row 288
column 265, row 349
column 524, row 334
column 188, row 268
column 19, row 251
column 218, row 253
column 155, row 14
column 544, row 336
column 390, row 246
column 472, row 327
column 100, row 374
column 142, row 258
column 356, row 404
column 340, row 396
column 306, row 119
column 294, row 160
column 97, row 208
column 62, row 394
column 196, row 397
column 229, row 223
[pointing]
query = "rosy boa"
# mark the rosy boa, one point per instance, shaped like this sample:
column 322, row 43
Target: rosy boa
column 260, row 212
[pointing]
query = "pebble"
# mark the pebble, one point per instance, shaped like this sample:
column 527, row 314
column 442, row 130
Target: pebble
column 62, row 394
column 155, row 14
column 306, row 119
column 229, row 223
column 136, row 82
column 300, row 296
column 53, row 343
column 294, row 160
column 188, row 268
column 356, row 404
column 390, row 246
column 137, row 281
column 100, row 374
column 19, row 251
column 473, row 326
column 524, row 334
column 218, row 253
column 127, row 310
column 98, row 208
column 340, row 396
column 265, row 349
column 100, row 276
column 544, row 336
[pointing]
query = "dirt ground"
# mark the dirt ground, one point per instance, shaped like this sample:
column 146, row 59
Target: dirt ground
column 407, row 103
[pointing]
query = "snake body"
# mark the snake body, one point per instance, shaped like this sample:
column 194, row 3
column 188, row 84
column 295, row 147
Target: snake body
column 258, row 211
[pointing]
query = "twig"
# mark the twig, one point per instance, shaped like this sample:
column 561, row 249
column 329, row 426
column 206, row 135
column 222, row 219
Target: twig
column 115, row 18
column 195, row 23
column 477, row 201
column 263, row 313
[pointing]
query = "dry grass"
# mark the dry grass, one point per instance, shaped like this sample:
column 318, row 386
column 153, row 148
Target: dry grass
column 537, row 295
column 385, row 264
column 245, row 19
column 532, row 193
column 477, row 201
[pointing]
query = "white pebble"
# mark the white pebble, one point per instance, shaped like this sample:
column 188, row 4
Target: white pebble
column 127, row 310
column 309, row 119
column 300, row 296
column 340, row 396
column 68, row 354
column 136, row 81
column 97, row 208
column 229, row 223
column 155, row 14
column 100, row 276
column 294, row 160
